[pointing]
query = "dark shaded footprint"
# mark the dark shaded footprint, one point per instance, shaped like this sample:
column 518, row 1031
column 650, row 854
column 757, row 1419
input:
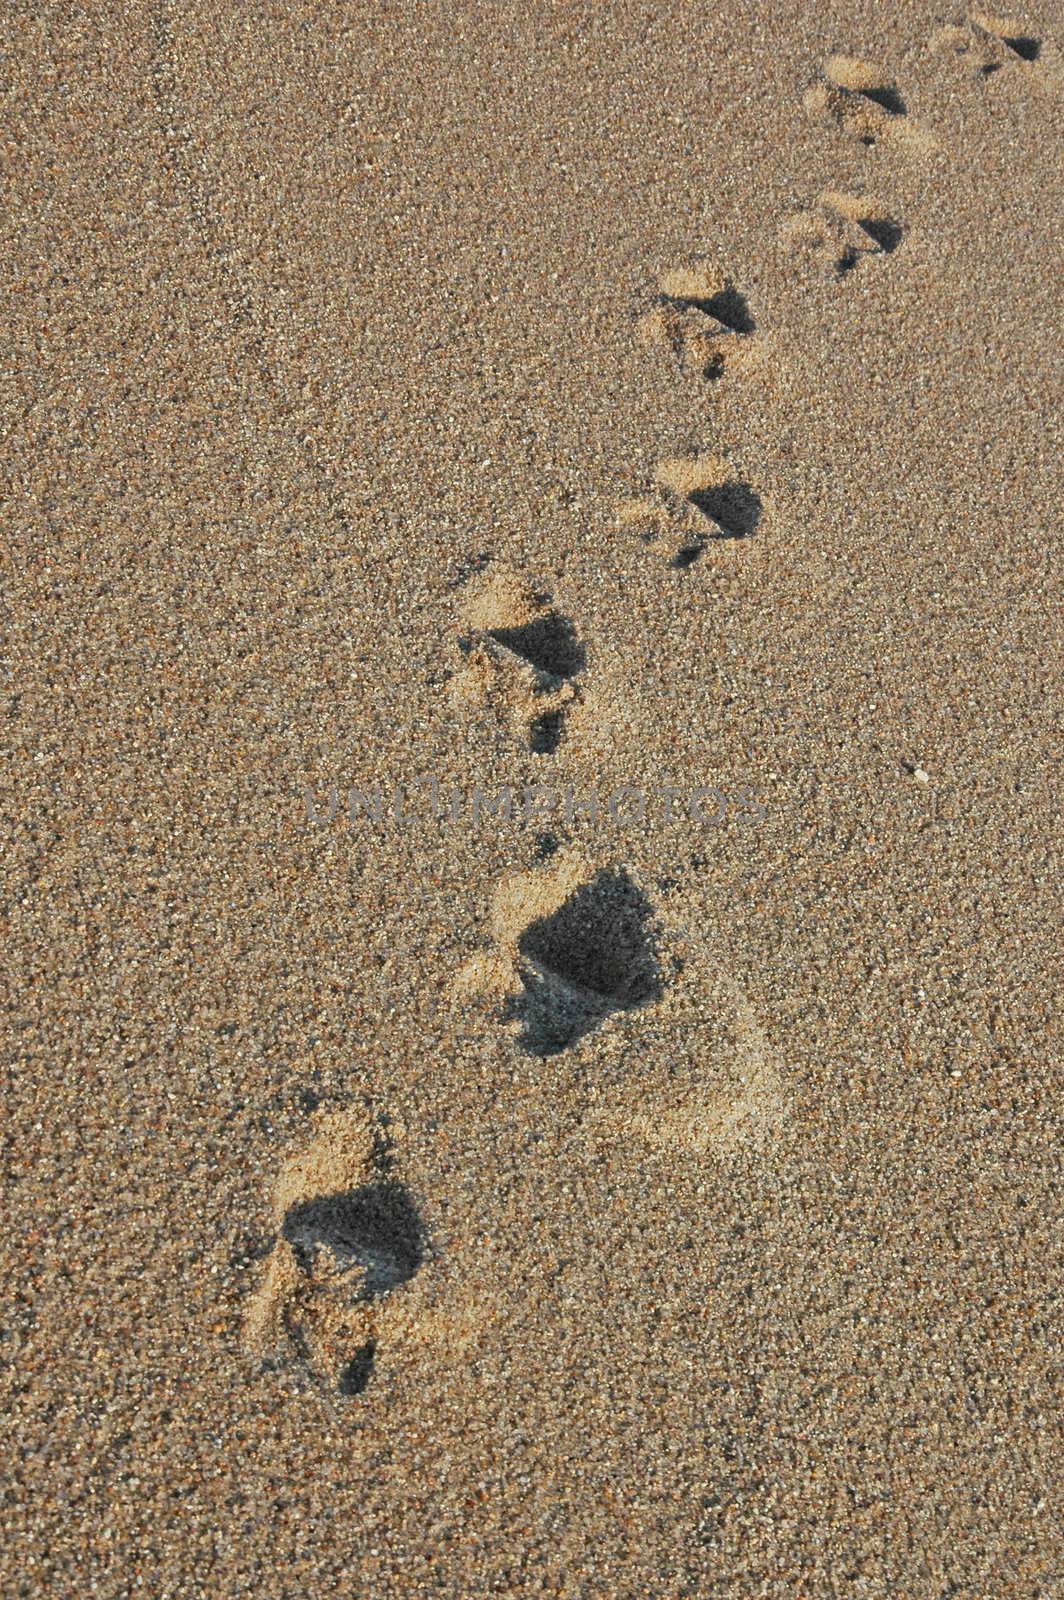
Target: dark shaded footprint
column 348, row 1238
column 1025, row 45
column 887, row 97
column 375, row 1228
column 884, row 234
column 354, row 1379
column 523, row 659
column 709, row 292
column 591, row 957
column 548, row 643
column 545, row 733
column 730, row 308
column 572, row 946
column 733, row 509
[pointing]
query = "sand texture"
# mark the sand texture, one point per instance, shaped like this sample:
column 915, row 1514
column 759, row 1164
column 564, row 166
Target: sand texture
column 531, row 866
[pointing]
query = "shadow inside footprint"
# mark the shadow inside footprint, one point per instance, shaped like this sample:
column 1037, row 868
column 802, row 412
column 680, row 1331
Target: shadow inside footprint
column 545, row 734
column 375, row 1227
column 357, row 1372
column 1024, row 45
column 548, row 643
column 887, row 97
column 728, row 307
column 882, row 231
column 591, row 957
column 733, row 509
column 731, row 308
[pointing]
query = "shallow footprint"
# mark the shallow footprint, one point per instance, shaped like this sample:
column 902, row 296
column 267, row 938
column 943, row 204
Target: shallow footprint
column 843, row 230
column 985, row 44
column 697, row 502
column 522, row 659
column 724, row 1088
column 863, row 102
column 702, row 318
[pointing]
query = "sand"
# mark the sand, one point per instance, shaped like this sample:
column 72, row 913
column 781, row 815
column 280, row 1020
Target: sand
column 602, row 400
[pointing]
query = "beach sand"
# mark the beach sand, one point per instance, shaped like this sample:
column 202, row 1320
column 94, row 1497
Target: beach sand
column 601, row 400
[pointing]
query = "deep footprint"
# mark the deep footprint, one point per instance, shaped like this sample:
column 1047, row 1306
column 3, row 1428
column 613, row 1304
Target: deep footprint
column 593, row 956
column 348, row 1236
column 375, row 1227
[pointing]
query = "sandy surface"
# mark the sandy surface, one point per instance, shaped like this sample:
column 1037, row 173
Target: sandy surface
column 578, row 1206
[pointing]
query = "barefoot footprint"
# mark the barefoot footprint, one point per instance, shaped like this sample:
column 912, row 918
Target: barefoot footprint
column 571, row 946
column 842, row 230
column 697, row 501
column 522, row 659
column 578, row 949
column 861, row 100
column 347, row 1283
column 349, row 1237
column 703, row 319
column 985, row 44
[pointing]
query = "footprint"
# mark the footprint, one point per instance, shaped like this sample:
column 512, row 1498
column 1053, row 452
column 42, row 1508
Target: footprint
column 703, row 319
column 862, row 101
column 577, row 949
column 842, row 230
column 697, row 501
column 349, row 1237
column 984, row 44
column 522, row 659
column 572, row 946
